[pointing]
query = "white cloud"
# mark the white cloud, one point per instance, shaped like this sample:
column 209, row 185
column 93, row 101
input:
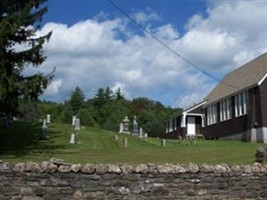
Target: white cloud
column 122, row 88
column 94, row 54
column 53, row 88
column 145, row 16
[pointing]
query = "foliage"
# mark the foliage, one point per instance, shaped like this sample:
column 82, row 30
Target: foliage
column 107, row 111
column 52, row 108
column 20, row 48
column 87, row 118
column 119, row 95
column 76, row 100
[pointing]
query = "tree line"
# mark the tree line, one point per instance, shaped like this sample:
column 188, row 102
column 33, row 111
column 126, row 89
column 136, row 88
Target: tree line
column 21, row 49
column 106, row 110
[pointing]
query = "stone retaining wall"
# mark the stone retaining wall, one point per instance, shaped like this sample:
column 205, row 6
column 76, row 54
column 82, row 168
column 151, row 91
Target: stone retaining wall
column 54, row 179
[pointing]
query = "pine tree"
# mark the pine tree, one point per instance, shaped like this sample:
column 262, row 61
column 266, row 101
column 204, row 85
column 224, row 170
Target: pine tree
column 19, row 49
column 76, row 100
column 108, row 94
column 119, row 95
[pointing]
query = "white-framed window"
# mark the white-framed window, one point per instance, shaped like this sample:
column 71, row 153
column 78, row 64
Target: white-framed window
column 225, row 110
column 212, row 114
column 241, row 104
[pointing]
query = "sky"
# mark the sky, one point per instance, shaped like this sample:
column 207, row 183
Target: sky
column 94, row 45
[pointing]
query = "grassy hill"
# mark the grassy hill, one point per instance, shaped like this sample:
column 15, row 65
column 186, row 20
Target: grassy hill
column 21, row 143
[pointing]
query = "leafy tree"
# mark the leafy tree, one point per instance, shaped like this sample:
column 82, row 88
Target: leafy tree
column 86, row 118
column 113, row 113
column 21, row 48
column 52, row 108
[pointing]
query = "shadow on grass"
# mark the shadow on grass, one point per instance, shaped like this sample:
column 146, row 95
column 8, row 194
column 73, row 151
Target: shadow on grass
column 23, row 139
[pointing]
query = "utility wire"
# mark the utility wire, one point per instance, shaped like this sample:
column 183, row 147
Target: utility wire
column 168, row 47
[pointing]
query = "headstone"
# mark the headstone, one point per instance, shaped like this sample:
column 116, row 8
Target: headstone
column 140, row 132
column 73, row 120
column 135, row 127
column 121, row 128
column 125, row 142
column 163, row 142
column 145, row 135
column 44, row 124
column 125, row 123
column 72, row 138
column 116, row 137
column 77, row 125
column 48, row 118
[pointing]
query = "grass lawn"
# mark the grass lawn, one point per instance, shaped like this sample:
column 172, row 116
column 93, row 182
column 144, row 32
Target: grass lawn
column 21, row 143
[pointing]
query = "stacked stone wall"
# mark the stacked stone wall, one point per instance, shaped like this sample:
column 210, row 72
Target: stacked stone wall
column 54, row 179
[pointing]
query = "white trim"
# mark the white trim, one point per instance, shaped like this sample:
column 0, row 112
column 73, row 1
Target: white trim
column 194, row 107
column 183, row 121
column 264, row 77
column 230, row 95
column 193, row 114
column 212, row 115
column 241, row 103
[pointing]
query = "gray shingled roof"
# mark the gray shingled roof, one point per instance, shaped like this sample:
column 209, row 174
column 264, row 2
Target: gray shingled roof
column 247, row 76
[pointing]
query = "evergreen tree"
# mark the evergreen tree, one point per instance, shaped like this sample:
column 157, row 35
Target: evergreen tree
column 76, row 100
column 100, row 98
column 20, row 48
column 108, row 94
column 119, row 95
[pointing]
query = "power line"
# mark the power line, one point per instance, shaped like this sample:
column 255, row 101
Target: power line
column 166, row 46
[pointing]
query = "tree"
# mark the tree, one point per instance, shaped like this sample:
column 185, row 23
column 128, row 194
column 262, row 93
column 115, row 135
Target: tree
column 21, row 48
column 76, row 100
column 119, row 95
column 99, row 99
column 108, row 94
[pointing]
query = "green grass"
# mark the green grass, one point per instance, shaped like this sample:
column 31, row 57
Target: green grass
column 21, row 143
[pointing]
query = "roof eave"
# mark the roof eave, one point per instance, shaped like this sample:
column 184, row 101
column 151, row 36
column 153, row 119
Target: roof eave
column 230, row 95
column 261, row 81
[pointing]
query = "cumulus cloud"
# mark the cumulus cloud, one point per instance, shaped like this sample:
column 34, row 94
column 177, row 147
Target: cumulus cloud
column 53, row 88
column 93, row 53
column 145, row 16
column 230, row 29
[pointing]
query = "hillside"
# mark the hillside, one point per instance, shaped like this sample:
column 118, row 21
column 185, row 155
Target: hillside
column 21, row 143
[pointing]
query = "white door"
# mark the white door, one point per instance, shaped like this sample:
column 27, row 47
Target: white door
column 191, row 125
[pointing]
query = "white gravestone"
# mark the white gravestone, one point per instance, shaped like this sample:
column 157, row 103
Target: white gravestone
column 77, row 125
column 73, row 120
column 126, row 125
column 145, row 135
column 44, row 124
column 125, row 142
column 121, row 128
column 140, row 132
column 163, row 142
column 72, row 139
column 135, row 127
column 48, row 118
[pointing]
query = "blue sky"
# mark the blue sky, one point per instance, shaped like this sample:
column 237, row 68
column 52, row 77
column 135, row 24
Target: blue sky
column 94, row 45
